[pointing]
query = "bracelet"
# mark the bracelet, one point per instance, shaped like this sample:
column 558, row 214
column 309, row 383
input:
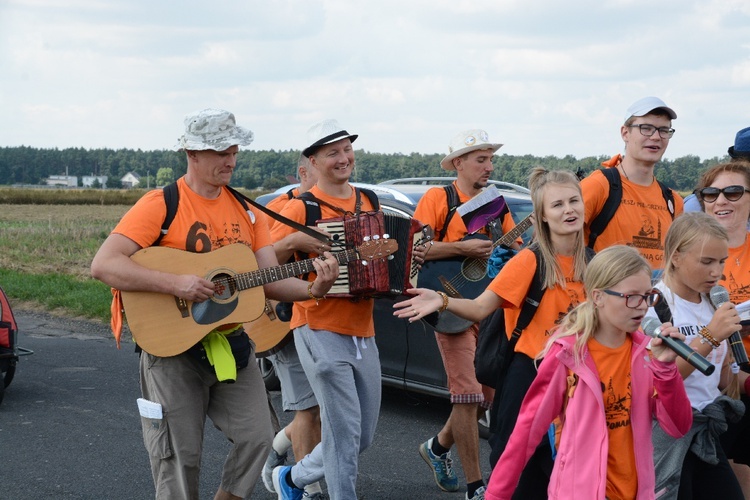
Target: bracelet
column 445, row 302
column 310, row 294
column 707, row 337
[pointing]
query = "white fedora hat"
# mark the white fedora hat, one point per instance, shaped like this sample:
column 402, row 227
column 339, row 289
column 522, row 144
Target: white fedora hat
column 323, row 133
column 466, row 142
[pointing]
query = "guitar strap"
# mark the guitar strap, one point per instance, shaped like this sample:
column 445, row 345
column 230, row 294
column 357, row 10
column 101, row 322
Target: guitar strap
column 172, row 200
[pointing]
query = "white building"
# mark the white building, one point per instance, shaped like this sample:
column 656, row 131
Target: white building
column 88, row 180
column 62, row 180
column 130, row 180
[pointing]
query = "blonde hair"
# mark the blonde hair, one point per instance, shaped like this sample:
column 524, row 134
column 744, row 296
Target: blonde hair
column 687, row 230
column 608, row 268
column 539, row 179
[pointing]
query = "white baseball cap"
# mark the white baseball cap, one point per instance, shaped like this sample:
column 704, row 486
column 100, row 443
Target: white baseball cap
column 646, row 105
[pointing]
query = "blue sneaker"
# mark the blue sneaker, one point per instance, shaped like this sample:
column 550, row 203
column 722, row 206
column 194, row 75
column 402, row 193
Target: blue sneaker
column 282, row 488
column 442, row 467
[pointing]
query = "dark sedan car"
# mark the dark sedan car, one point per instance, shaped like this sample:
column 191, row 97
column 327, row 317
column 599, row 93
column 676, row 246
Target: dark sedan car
column 409, row 355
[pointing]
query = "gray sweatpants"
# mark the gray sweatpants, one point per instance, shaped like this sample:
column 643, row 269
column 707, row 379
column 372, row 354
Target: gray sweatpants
column 345, row 375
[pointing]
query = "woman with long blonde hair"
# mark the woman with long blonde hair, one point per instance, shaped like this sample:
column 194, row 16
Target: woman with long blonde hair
column 558, row 211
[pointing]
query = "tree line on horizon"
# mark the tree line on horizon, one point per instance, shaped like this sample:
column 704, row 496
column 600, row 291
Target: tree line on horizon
column 269, row 170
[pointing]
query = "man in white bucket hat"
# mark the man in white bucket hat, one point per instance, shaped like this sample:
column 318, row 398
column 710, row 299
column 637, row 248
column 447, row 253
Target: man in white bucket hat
column 334, row 336
column 470, row 155
column 189, row 386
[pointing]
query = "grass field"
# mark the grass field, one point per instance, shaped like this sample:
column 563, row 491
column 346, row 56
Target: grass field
column 45, row 254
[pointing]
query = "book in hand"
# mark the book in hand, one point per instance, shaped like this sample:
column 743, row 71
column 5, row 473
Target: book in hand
column 743, row 310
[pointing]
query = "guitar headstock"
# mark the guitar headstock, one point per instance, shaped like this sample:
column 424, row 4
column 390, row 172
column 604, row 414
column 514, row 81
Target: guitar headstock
column 428, row 234
column 376, row 248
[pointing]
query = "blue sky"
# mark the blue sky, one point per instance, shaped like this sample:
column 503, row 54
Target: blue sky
column 543, row 77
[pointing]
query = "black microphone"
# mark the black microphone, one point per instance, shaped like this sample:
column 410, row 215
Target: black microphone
column 652, row 327
column 719, row 295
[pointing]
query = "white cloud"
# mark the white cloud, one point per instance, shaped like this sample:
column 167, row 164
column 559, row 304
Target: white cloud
column 544, row 77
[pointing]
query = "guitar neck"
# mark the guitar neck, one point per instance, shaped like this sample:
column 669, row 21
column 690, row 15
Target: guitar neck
column 508, row 238
column 259, row 277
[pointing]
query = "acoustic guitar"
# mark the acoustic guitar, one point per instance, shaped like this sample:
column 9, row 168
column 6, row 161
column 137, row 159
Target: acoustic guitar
column 165, row 325
column 269, row 332
column 462, row 277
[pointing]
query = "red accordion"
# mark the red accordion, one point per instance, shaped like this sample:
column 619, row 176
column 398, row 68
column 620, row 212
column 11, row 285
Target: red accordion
column 380, row 277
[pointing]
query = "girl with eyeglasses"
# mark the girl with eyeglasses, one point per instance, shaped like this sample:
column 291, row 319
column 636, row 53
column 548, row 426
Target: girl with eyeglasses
column 558, row 213
column 598, row 378
column 722, row 194
column 695, row 466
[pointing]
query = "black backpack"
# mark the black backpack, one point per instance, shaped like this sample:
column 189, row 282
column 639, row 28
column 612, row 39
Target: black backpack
column 600, row 222
column 494, row 349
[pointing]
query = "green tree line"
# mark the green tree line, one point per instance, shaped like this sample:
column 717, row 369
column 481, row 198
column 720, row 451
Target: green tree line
column 270, row 169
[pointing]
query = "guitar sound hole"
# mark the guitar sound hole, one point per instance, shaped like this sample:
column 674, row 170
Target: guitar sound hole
column 473, row 270
column 224, row 286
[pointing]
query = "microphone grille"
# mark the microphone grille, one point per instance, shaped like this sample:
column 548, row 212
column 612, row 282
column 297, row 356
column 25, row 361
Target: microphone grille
column 650, row 325
column 718, row 295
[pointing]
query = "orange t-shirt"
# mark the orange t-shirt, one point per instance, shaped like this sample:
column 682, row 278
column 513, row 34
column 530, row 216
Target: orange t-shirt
column 279, row 202
column 737, row 277
column 641, row 221
column 200, row 225
column 432, row 210
column 340, row 315
column 613, row 366
column 512, row 285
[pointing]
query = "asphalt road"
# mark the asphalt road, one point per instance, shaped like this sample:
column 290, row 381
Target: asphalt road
column 69, row 427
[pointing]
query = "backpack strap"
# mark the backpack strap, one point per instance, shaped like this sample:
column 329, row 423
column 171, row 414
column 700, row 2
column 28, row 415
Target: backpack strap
column 312, row 208
column 600, row 222
column 453, row 202
column 533, row 297
column 370, row 196
column 535, row 293
column 171, row 200
column 668, row 196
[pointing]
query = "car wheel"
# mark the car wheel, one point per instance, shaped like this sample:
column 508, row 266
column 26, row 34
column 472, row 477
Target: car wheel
column 484, row 425
column 269, row 374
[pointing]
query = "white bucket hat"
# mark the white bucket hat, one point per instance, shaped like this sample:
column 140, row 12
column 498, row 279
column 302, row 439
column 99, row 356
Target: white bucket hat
column 644, row 106
column 214, row 129
column 466, row 142
column 323, row 133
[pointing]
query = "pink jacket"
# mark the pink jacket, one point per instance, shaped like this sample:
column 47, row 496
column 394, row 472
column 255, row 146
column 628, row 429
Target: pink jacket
column 580, row 469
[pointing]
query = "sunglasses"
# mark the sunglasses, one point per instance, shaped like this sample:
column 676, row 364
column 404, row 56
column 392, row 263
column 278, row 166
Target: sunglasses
column 634, row 300
column 711, row 194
